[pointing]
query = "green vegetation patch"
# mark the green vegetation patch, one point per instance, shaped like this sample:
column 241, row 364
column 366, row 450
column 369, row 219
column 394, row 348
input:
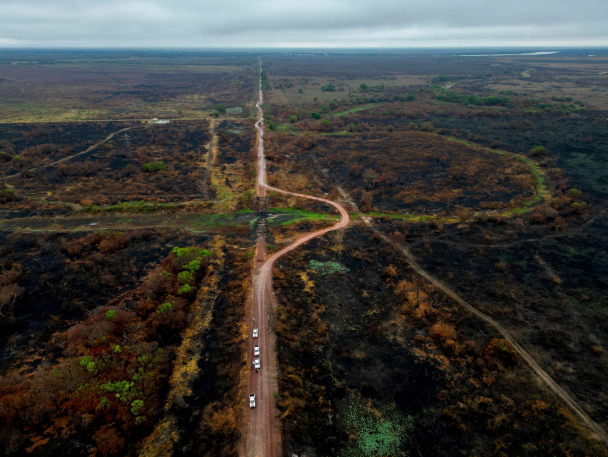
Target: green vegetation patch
column 136, row 206
column 327, row 268
column 358, row 108
column 154, row 167
column 374, row 429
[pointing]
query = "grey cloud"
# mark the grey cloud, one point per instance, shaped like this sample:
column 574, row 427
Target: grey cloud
column 241, row 23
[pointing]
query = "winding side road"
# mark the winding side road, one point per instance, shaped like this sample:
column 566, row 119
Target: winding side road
column 263, row 434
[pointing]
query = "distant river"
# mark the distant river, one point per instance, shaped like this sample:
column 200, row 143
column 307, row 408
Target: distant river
column 540, row 53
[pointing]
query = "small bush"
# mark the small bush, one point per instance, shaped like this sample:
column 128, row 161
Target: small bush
column 538, row 151
column 501, row 350
column 185, row 277
column 164, row 308
column 154, row 167
column 111, row 314
column 442, row 332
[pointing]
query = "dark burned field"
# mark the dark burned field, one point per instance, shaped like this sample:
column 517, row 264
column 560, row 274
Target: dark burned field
column 116, row 169
column 369, row 350
column 411, row 172
column 99, row 338
column 64, row 276
column 128, row 337
column 549, row 291
column 25, row 146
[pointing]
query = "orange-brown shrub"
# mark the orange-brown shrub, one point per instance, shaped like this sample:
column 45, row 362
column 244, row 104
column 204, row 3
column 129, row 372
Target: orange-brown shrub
column 502, row 350
column 442, row 332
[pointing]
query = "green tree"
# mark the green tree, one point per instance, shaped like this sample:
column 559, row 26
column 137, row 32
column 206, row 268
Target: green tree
column 154, row 167
column 185, row 277
column 164, row 308
column 184, row 289
column 575, row 194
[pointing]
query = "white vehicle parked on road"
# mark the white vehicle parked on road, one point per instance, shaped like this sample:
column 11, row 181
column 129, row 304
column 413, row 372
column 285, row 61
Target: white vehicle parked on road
column 255, row 332
column 256, row 350
column 252, row 401
column 256, row 364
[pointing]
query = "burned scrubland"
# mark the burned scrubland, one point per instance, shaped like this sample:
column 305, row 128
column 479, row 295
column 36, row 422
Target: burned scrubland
column 156, row 160
column 99, row 385
column 53, row 280
column 367, row 348
column 100, row 85
column 491, row 171
column 548, row 288
column 93, row 372
column 146, row 168
column 409, row 171
column 26, row 146
column 526, row 249
column 574, row 143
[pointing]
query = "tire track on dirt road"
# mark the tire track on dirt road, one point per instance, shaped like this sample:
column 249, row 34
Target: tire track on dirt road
column 263, row 434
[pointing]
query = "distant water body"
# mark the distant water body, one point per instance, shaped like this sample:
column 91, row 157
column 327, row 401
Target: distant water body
column 540, row 53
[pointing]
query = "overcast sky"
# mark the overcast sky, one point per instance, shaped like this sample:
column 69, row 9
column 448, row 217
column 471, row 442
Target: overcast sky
column 302, row 23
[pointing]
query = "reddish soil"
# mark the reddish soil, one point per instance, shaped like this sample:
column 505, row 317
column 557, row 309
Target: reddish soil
column 263, row 426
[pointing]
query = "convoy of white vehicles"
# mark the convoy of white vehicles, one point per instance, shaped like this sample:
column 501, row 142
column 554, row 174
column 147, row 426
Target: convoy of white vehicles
column 256, row 365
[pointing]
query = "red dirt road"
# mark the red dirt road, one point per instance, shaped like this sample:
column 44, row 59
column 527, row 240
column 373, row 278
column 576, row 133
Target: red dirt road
column 263, row 434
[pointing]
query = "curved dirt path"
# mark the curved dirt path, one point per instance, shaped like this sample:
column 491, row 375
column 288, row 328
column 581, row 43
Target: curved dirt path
column 263, row 434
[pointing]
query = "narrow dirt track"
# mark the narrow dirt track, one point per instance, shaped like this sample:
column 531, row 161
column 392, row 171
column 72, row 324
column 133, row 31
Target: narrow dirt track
column 65, row 159
column 595, row 429
column 263, row 435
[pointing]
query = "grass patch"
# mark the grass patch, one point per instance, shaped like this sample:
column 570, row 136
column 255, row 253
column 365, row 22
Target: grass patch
column 357, row 108
column 136, row 206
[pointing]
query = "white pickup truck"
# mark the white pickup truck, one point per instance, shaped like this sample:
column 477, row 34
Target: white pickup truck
column 256, row 364
column 255, row 332
column 256, row 350
column 252, row 401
